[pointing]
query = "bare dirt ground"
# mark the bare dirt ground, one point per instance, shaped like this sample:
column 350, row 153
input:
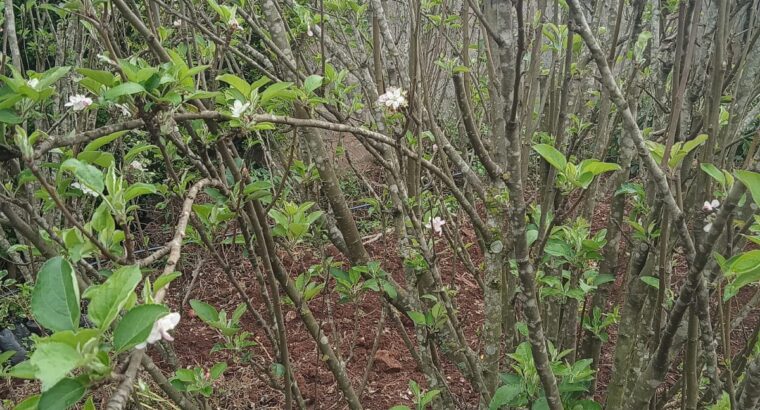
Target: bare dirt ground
column 242, row 386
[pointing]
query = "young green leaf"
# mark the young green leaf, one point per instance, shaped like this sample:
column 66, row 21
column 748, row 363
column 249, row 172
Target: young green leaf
column 30, row 403
column 53, row 361
column 138, row 189
column 752, row 181
column 504, row 396
column 63, row 395
column 164, row 280
column 55, row 297
column 206, row 312
column 312, row 82
column 651, row 281
column 136, row 325
column 237, row 83
column 128, row 88
column 94, row 145
column 714, row 172
column 552, row 156
column 86, row 173
column 417, row 317
column 597, row 167
column 107, row 299
column 102, row 77
column 217, row 370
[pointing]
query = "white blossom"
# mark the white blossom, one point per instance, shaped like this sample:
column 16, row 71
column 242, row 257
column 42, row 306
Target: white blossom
column 83, row 188
column 308, row 31
column 177, row 23
column 437, row 225
column 238, row 108
column 33, row 82
column 435, row 147
column 137, row 165
column 78, row 102
column 161, row 330
column 707, row 227
column 711, row 205
column 394, row 98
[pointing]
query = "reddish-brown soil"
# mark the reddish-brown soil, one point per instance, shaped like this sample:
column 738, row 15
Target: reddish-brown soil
column 357, row 324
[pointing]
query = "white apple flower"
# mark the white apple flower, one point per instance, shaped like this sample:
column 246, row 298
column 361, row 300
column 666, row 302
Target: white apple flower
column 394, row 98
column 84, row 189
column 33, row 82
column 177, row 23
column 238, row 108
column 437, row 225
column 161, row 330
column 435, row 147
column 711, row 205
column 707, row 227
column 78, row 102
column 308, row 31
column 137, row 165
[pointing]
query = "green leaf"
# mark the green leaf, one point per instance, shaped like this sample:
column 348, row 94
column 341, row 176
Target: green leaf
column 103, row 159
column 236, row 83
column 260, row 83
column 417, row 317
column 107, row 299
column 274, row 91
column 10, row 117
column 164, row 280
column 657, row 150
column 102, row 219
column 85, row 173
column 136, row 325
column 747, row 269
column 63, row 395
column 30, row 403
column 94, row 145
column 540, row 404
column 136, row 150
column 138, row 189
column 53, row 361
column 587, row 405
column 679, row 150
column 603, row 278
column 559, row 248
column 752, row 181
column 100, row 76
column 128, row 88
column 714, row 172
column 5, row 356
column 51, row 76
column 552, row 156
column 597, row 167
column 312, row 82
column 23, row 370
column 217, row 370
column 651, row 281
column 504, row 396
column 55, row 297
column 206, row 312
